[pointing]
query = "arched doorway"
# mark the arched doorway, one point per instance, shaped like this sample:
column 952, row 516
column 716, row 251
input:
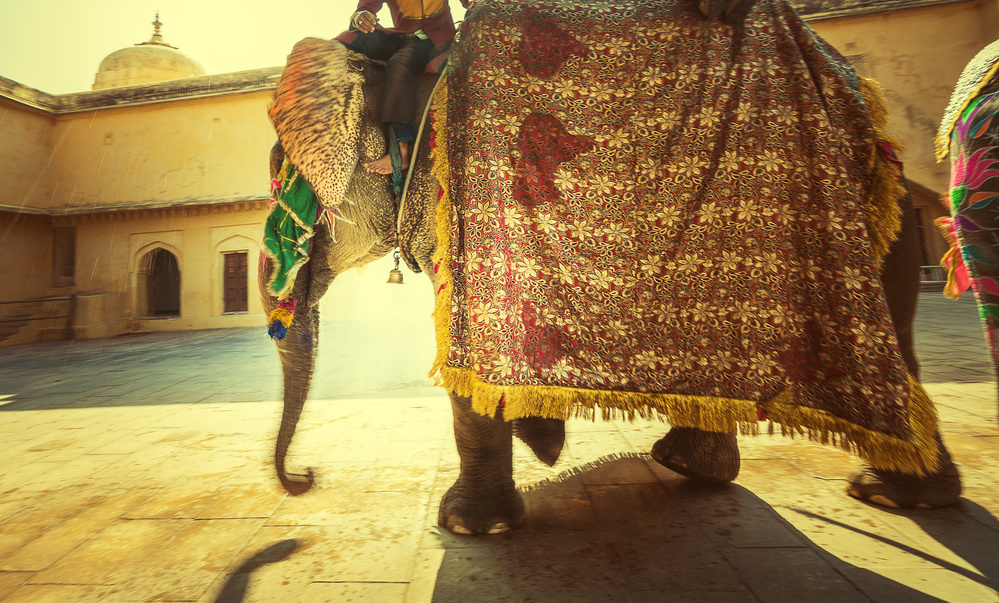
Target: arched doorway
column 162, row 284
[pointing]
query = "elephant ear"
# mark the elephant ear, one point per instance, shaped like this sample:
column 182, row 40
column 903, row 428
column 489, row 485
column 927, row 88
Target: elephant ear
column 317, row 115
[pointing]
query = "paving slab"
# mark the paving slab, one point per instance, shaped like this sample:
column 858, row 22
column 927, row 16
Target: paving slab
column 137, row 469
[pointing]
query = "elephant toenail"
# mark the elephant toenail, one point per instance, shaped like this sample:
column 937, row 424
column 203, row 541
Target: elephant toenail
column 498, row 528
column 878, row 499
column 460, row 529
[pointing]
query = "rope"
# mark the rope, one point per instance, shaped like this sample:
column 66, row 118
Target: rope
column 414, row 153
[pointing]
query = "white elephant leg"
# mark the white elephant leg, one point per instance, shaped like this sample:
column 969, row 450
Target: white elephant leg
column 974, row 201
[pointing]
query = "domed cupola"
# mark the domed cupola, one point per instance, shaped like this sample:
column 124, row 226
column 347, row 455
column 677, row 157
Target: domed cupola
column 145, row 63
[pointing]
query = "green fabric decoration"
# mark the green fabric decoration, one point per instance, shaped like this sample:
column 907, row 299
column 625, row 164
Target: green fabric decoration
column 289, row 226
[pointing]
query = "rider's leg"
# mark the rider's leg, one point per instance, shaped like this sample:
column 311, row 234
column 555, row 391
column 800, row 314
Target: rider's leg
column 399, row 104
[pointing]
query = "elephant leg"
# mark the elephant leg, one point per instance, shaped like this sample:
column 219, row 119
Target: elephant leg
column 701, row 455
column 545, row 437
column 900, row 277
column 483, row 500
column 900, row 490
column 978, row 237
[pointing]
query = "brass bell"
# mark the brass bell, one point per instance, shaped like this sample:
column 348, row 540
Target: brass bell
column 395, row 275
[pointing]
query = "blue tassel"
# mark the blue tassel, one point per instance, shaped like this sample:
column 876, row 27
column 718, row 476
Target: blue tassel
column 280, row 319
column 277, row 330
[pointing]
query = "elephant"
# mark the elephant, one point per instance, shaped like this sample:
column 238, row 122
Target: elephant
column 484, row 498
column 969, row 133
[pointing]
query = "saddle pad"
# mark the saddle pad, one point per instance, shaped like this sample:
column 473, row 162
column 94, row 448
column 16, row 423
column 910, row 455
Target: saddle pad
column 650, row 213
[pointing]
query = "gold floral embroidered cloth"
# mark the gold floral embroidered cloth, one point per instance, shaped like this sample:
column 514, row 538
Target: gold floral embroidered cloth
column 646, row 212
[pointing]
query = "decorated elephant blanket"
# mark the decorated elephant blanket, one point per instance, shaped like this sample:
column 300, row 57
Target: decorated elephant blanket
column 650, row 213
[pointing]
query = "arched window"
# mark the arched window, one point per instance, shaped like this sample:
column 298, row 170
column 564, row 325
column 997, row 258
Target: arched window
column 162, row 283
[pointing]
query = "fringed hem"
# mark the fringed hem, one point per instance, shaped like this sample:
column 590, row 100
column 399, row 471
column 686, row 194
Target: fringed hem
column 442, row 255
column 942, row 141
column 725, row 415
column 884, row 216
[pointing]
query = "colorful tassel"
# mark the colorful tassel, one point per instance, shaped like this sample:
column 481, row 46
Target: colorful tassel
column 279, row 320
column 958, row 278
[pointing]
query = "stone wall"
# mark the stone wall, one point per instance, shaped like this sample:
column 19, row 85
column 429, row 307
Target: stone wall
column 180, row 165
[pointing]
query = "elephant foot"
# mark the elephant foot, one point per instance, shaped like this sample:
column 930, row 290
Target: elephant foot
column 905, row 491
column 546, row 437
column 701, row 455
column 463, row 512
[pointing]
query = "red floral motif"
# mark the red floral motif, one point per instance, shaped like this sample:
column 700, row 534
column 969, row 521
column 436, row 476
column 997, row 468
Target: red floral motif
column 544, row 45
column 544, row 143
column 543, row 344
column 804, row 360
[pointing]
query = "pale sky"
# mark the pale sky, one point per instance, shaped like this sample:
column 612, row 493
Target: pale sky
column 56, row 45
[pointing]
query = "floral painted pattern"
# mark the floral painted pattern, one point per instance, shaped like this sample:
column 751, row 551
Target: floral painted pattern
column 646, row 201
column 974, row 199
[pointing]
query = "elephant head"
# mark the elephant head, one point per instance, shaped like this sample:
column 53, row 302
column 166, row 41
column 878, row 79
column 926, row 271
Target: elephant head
column 324, row 112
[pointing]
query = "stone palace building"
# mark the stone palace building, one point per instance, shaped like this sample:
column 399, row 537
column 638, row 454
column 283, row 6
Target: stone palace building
column 138, row 206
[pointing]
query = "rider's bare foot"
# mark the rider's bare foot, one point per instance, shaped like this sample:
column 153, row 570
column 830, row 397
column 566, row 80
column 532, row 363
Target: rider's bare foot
column 383, row 165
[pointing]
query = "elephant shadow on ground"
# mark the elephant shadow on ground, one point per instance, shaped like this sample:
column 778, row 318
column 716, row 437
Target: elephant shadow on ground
column 969, row 531
column 235, row 587
column 588, row 539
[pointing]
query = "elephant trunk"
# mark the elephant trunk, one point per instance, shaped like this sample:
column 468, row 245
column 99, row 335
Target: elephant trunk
column 295, row 484
column 298, row 354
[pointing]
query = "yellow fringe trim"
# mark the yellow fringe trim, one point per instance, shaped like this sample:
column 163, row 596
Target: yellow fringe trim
column 942, row 141
column 915, row 456
column 442, row 255
column 884, row 216
column 282, row 174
